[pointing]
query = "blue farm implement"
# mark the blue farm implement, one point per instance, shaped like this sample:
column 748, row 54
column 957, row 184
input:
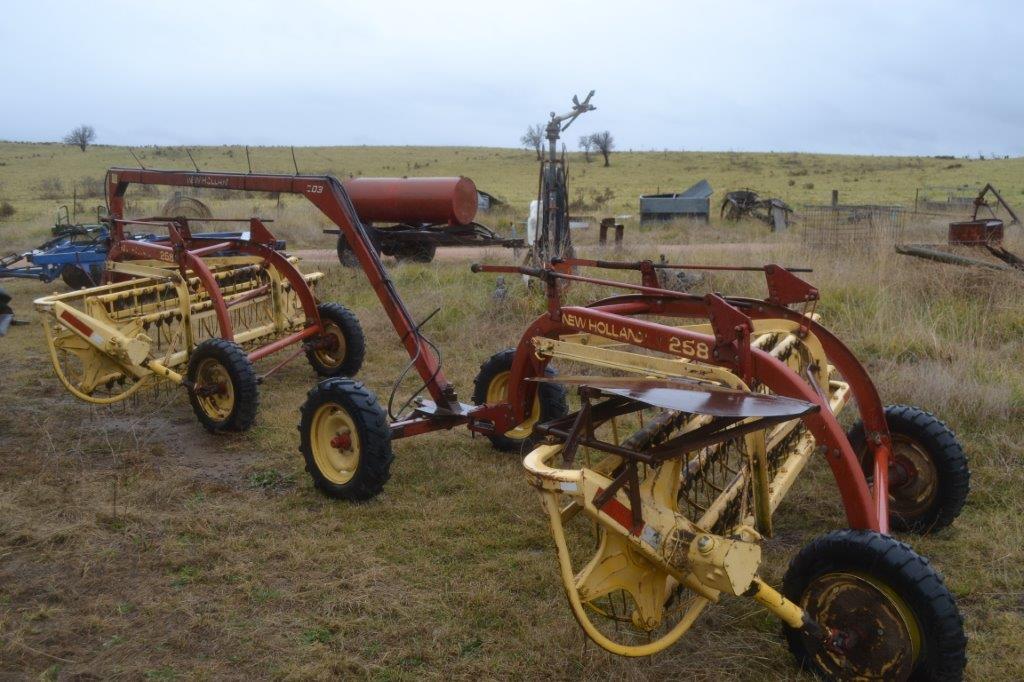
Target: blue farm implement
column 76, row 255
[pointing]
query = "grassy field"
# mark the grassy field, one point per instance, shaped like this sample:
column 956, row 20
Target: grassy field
column 134, row 545
column 36, row 178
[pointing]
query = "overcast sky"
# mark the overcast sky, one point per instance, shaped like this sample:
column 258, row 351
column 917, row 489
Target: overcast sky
column 893, row 77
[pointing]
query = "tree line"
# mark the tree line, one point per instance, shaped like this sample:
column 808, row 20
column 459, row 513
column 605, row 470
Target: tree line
column 602, row 143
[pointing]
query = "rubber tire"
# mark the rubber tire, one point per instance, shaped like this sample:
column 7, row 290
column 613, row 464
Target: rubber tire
column 947, row 454
column 76, row 277
column 416, row 252
column 243, row 382
column 374, row 468
column 553, row 402
column 346, row 256
column 911, row 576
column 355, row 342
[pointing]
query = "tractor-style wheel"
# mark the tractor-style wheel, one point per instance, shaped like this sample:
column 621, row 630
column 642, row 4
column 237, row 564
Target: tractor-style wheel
column 343, row 344
column 222, row 386
column 929, row 478
column 886, row 612
column 77, row 277
column 345, row 440
column 346, row 256
column 491, row 386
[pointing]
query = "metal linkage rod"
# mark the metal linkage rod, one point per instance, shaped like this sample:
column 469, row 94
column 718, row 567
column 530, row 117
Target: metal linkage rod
column 639, row 265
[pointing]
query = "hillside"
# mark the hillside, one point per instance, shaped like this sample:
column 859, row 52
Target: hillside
column 36, row 177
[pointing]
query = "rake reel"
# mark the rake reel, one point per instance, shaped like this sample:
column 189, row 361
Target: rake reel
column 661, row 487
column 198, row 312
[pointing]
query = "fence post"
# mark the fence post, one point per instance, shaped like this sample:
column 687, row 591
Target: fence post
column 835, row 197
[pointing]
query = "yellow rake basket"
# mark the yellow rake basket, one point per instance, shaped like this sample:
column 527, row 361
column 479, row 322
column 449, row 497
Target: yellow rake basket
column 109, row 341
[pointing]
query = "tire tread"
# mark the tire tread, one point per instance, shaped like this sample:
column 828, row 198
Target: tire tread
column 553, row 401
column 243, row 379
column 376, row 455
column 947, row 454
column 355, row 342
column 909, row 574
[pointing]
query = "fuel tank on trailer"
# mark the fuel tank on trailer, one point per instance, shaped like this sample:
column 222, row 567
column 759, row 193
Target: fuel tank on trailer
column 414, row 200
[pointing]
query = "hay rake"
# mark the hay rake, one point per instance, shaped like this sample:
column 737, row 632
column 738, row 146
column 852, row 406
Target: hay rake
column 196, row 311
column 661, row 487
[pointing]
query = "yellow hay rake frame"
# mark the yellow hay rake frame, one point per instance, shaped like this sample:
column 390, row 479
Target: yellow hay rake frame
column 673, row 551
column 122, row 330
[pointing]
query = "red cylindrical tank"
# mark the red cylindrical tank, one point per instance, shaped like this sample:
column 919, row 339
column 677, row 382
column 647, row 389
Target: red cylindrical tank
column 975, row 232
column 414, row 200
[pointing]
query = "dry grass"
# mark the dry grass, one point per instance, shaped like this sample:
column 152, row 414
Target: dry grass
column 509, row 173
column 134, row 545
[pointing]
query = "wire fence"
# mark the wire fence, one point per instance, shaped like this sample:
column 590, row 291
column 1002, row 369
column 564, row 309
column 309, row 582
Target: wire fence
column 848, row 226
column 946, row 199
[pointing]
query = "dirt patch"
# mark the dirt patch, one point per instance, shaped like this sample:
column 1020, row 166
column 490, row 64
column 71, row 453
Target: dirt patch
column 476, row 253
column 177, row 442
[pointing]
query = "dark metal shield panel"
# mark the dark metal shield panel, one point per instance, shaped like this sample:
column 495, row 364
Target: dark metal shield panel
column 694, row 397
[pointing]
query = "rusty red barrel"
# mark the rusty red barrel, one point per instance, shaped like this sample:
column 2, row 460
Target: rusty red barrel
column 414, row 200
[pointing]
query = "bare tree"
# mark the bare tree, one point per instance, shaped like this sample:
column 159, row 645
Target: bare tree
column 533, row 138
column 82, row 136
column 604, row 143
column 586, row 144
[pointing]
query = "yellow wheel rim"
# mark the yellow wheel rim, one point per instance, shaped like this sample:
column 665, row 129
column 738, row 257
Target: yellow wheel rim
column 332, row 357
column 497, row 392
column 335, row 443
column 214, row 391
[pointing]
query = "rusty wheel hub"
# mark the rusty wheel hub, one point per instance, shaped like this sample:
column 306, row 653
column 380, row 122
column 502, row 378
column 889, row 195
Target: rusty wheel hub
column 330, row 348
column 872, row 634
column 913, row 479
column 216, row 395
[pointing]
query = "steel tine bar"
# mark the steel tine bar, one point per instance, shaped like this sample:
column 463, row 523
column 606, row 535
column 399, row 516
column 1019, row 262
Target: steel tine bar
column 672, row 447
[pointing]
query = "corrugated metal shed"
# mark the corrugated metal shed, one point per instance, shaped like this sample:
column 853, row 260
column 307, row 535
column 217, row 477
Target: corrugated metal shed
column 485, row 201
column 694, row 202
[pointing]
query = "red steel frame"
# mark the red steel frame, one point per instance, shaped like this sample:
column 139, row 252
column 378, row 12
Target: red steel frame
column 729, row 347
column 187, row 253
column 611, row 317
column 324, row 192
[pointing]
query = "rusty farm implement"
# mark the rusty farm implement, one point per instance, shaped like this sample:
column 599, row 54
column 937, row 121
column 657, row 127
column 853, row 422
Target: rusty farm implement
column 195, row 310
column 662, row 486
column 696, row 415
